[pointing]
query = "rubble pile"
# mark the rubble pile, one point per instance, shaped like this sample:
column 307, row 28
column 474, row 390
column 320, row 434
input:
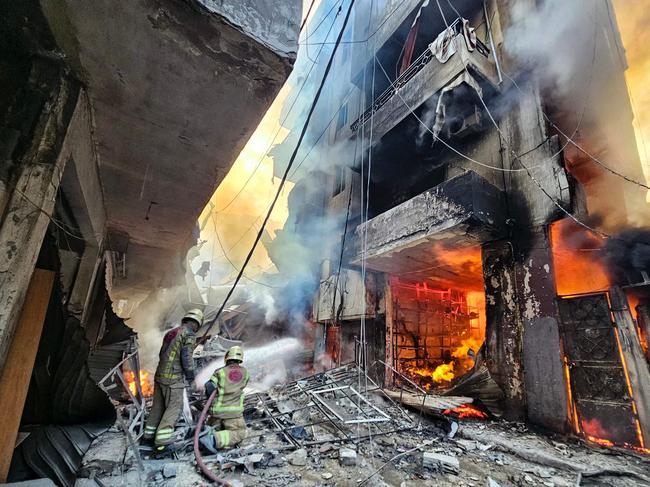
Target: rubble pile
column 338, row 428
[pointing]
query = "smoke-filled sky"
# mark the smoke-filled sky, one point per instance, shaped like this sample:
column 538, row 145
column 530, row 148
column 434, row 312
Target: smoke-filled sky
column 633, row 18
column 239, row 204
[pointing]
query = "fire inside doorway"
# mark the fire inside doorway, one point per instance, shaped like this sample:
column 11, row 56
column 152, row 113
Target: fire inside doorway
column 600, row 311
column 438, row 323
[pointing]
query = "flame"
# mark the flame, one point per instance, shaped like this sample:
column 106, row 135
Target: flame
column 576, row 262
column 466, row 411
column 592, row 427
column 446, row 372
column 145, row 383
column 466, row 345
column 595, row 433
column 442, row 373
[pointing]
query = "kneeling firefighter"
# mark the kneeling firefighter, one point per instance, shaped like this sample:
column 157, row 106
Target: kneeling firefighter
column 175, row 368
column 227, row 408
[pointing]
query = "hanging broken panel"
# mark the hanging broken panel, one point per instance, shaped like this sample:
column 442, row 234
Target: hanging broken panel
column 597, row 377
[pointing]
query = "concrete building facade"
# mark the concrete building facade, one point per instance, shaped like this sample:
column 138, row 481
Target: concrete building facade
column 466, row 166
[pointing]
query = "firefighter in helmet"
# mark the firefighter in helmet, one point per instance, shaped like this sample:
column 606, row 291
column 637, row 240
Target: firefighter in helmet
column 175, row 368
column 227, row 408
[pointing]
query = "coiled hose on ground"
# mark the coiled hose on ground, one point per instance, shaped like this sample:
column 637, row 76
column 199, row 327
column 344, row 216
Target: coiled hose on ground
column 197, row 454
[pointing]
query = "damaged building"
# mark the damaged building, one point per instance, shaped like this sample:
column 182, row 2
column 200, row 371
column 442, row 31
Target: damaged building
column 468, row 236
column 119, row 120
column 487, row 193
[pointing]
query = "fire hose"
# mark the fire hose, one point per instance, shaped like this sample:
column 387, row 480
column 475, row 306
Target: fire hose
column 197, row 454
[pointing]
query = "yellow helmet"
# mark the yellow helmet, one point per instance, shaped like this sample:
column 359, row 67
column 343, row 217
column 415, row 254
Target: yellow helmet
column 194, row 314
column 234, row 353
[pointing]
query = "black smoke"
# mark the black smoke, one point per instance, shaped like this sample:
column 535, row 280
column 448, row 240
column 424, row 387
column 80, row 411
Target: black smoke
column 627, row 256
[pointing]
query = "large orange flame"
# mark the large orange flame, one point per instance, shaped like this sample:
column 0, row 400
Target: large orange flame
column 448, row 371
column 145, row 383
column 576, row 259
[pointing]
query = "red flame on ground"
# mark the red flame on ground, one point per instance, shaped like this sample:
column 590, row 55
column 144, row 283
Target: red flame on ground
column 466, row 411
column 595, row 433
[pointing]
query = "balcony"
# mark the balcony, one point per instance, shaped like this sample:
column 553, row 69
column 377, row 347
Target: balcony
column 464, row 211
column 424, row 78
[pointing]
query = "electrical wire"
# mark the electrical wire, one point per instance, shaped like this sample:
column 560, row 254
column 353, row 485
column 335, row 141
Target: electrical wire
column 280, row 125
column 321, row 22
column 288, row 168
column 304, row 21
column 232, row 264
column 362, row 41
column 578, row 146
column 449, row 146
column 541, row 187
column 299, row 165
column 526, row 169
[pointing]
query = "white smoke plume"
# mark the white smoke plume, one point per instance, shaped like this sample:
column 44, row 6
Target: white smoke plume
column 152, row 318
column 255, row 360
column 547, row 37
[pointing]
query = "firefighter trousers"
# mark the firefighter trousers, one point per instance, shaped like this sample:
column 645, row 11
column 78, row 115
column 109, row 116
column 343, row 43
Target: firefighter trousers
column 166, row 409
column 228, row 432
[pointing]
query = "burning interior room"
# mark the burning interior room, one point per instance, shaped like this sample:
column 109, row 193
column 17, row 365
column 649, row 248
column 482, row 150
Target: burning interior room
column 438, row 323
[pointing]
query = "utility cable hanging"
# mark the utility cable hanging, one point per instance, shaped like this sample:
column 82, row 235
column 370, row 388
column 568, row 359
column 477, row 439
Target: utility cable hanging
column 320, row 23
column 580, row 148
column 281, row 124
column 361, row 41
column 517, row 158
column 299, row 165
column 449, row 146
column 537, row 183
column 286, row 171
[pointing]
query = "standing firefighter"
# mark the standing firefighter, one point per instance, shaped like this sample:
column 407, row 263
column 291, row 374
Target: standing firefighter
column 175, row 367
column 227, row 409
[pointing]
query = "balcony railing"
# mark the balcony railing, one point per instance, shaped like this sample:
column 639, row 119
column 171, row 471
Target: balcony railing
column 418, row 65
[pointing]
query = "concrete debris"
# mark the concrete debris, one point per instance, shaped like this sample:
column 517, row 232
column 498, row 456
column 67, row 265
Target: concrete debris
column 327, row 475
column 443, row 463
column 325, row 447
column 347, row 457
column 386, row 441
column 298, row 458
column 169, row 470
column 492, row 483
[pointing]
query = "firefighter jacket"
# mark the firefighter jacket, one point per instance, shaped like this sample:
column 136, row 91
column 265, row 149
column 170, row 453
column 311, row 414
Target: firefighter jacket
column 175, row 360
column 229, row 382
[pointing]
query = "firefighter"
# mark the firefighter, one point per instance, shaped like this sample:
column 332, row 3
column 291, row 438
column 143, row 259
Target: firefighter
column 227, row 409
column 175, row 367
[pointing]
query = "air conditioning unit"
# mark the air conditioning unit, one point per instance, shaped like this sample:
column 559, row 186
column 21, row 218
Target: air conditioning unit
column 460, row 127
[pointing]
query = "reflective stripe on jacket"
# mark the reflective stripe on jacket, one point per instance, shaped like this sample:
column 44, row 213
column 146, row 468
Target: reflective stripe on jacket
column 175, row 360
column 230, row 382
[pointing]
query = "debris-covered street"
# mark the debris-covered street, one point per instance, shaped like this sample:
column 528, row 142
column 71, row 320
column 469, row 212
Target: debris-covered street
column 467, row 452
column 333, row 243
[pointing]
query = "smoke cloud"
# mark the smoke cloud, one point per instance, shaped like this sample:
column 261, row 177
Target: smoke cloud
column 549, row 36
column 627, row 256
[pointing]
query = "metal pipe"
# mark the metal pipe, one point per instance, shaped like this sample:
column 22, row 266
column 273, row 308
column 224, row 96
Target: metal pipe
column 494, row 51
column 197, row 453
